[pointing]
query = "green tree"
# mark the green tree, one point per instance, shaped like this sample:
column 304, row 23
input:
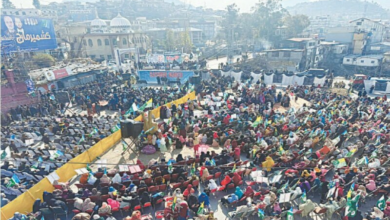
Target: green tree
column 170, row 40
column 43, row 60
column 37, row 4
column 7, row 4
column 185, row 41
column 268, row 16
column 296, row 24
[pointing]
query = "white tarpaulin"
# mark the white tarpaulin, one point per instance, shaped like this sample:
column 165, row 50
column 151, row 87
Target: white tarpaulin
column 255, row 76
column 287, row 80
column 369, row 83
column 320, row 81
column 298, row 80
column 236, row 76
column 268, row 79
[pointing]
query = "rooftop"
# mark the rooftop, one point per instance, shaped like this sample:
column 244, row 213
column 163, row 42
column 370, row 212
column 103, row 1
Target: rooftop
column 281, row 50
column 300, row 39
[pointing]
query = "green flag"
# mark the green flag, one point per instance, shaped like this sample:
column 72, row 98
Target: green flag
column 115, row 129
column 147, row 104
column 352, row 206
column 174, row 203
column 201, row 208
column 290, row 214
column 381, row 204
column 6, row 153
column 13, row 181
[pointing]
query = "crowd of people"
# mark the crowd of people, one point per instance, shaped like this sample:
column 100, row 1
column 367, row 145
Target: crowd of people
column 39, row 138
column 323, row 158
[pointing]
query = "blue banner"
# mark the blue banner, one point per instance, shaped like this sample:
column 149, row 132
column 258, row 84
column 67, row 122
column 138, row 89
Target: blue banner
column 23, row 33
column 150, row 76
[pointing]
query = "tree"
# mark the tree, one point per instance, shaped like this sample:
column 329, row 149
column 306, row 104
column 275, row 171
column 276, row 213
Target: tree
column 170, row 40
column 185, row 41
column 43, row 60
column 230, row 26
column 37, row 4
column 268, row 16
column 7, row 4
column 296, row 24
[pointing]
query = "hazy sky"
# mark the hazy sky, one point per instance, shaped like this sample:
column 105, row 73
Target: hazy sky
column 244, row 5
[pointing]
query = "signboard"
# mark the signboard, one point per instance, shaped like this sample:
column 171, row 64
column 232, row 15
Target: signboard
column 24, row 33
column 151, row 76
column 155, row 58
column 169, row 58
column 58, row 74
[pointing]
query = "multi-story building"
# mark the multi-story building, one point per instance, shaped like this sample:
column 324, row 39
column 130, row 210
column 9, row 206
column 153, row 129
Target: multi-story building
column 99, row 38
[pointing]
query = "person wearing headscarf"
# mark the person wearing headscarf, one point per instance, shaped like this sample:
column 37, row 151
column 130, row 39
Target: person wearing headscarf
column 227, row 145
column 239, row 192
column 87, row 205
column 104, row 209
column 82, row 216
column 204, row 198
column 117, row 178
column 188, row 191
column 268, row 163
column 105, row 179
column 84, row 178
column 86, row 193
column 125, row 178
column 237, row 153
column 307, row 207
column 182, row 210
column 205, row 175
column 147, row 174
column 140, row 164
column 236, row 178
column 371, row 186
column 249, row 191
column 136, row 215
column 179, row 158
column 212, row 185
column 112, row 191
column 208, row 162
column 177, row 193
column 226, row 180
column 193, row 203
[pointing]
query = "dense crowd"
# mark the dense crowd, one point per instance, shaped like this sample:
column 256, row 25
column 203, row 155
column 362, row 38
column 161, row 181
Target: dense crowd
column 333, row 150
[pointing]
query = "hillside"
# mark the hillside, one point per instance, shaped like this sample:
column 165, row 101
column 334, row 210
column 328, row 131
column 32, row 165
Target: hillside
column 354, row 8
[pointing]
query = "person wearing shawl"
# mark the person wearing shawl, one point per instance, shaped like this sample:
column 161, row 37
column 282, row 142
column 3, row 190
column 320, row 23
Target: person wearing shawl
column 208, row 162
column 227, row 145
column 193, row 203
column 182, row 210
column 86, row 193
column 105, row 209
column 147, row 174
column 249, row 191
column 226, row 180
column 277, row 210
column 84, row 178
column 177, row 193
column 212, row 185
column 117, row 178
column 236, row 178
column 307, row 207
column 179, row 158
column 204, row 198
column 136, row 215
column 188, row 191
column 371, row 186
column 87, row 205
column 204, row 139
column 112, row 191
column 268, row 163
column 238, row 192
column 140, row 164
column 237, row 153
column 105, row 179
column 205, row 175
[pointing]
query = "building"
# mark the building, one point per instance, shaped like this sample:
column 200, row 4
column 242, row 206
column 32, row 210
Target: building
column 284, row 59
column 310, row 56
column 375, row 29
column 160, row 34
column 46, row 13
column 342, row 34
column 99, row 38
column 363, row 61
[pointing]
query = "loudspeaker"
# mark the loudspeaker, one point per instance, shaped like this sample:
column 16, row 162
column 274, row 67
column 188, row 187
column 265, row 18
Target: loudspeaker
column 195, row 80
column 131, row 128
